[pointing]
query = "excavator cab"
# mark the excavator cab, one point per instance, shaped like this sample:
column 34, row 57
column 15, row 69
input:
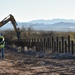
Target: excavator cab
column 13, row 21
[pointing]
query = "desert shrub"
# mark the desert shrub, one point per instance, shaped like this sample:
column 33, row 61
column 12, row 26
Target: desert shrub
column 30, row 33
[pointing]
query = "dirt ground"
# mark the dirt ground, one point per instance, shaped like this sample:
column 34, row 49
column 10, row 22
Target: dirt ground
column 16, row 63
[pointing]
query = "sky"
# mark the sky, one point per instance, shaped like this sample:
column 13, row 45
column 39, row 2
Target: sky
column 28, row 10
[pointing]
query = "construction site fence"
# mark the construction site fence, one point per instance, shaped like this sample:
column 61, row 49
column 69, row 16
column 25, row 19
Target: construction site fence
column 54, row 44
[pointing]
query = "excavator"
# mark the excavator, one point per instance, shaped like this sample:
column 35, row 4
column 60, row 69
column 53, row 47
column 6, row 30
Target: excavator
column 13, row 21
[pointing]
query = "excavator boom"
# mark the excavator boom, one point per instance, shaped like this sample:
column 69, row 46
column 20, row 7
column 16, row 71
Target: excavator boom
column 13, row 21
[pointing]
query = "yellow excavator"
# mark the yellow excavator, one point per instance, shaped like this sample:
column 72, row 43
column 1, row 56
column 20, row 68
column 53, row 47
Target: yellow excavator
column 13, row 21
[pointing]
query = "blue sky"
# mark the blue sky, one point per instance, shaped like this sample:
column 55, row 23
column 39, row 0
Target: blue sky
column 27, row 10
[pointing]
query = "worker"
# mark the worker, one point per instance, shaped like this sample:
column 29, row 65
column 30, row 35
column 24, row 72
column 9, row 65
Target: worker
column 2, row 44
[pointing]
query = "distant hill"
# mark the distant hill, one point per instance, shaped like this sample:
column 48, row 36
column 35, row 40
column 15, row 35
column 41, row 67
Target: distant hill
column 51, row 21
column 55, row 24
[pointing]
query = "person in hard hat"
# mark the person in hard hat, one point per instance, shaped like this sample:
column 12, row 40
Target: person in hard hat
column 2, row 44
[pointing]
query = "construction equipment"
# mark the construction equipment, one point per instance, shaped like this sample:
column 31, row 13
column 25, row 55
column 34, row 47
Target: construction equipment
column 13, row 21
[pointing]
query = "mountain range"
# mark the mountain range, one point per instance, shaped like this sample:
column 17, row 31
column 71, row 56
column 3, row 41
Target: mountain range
column 52, row 21
column 52, row 25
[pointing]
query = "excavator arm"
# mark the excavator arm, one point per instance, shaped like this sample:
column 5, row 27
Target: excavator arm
column 13, row 21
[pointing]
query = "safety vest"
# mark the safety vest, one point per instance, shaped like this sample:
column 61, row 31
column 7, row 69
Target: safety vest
column 2, row 42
